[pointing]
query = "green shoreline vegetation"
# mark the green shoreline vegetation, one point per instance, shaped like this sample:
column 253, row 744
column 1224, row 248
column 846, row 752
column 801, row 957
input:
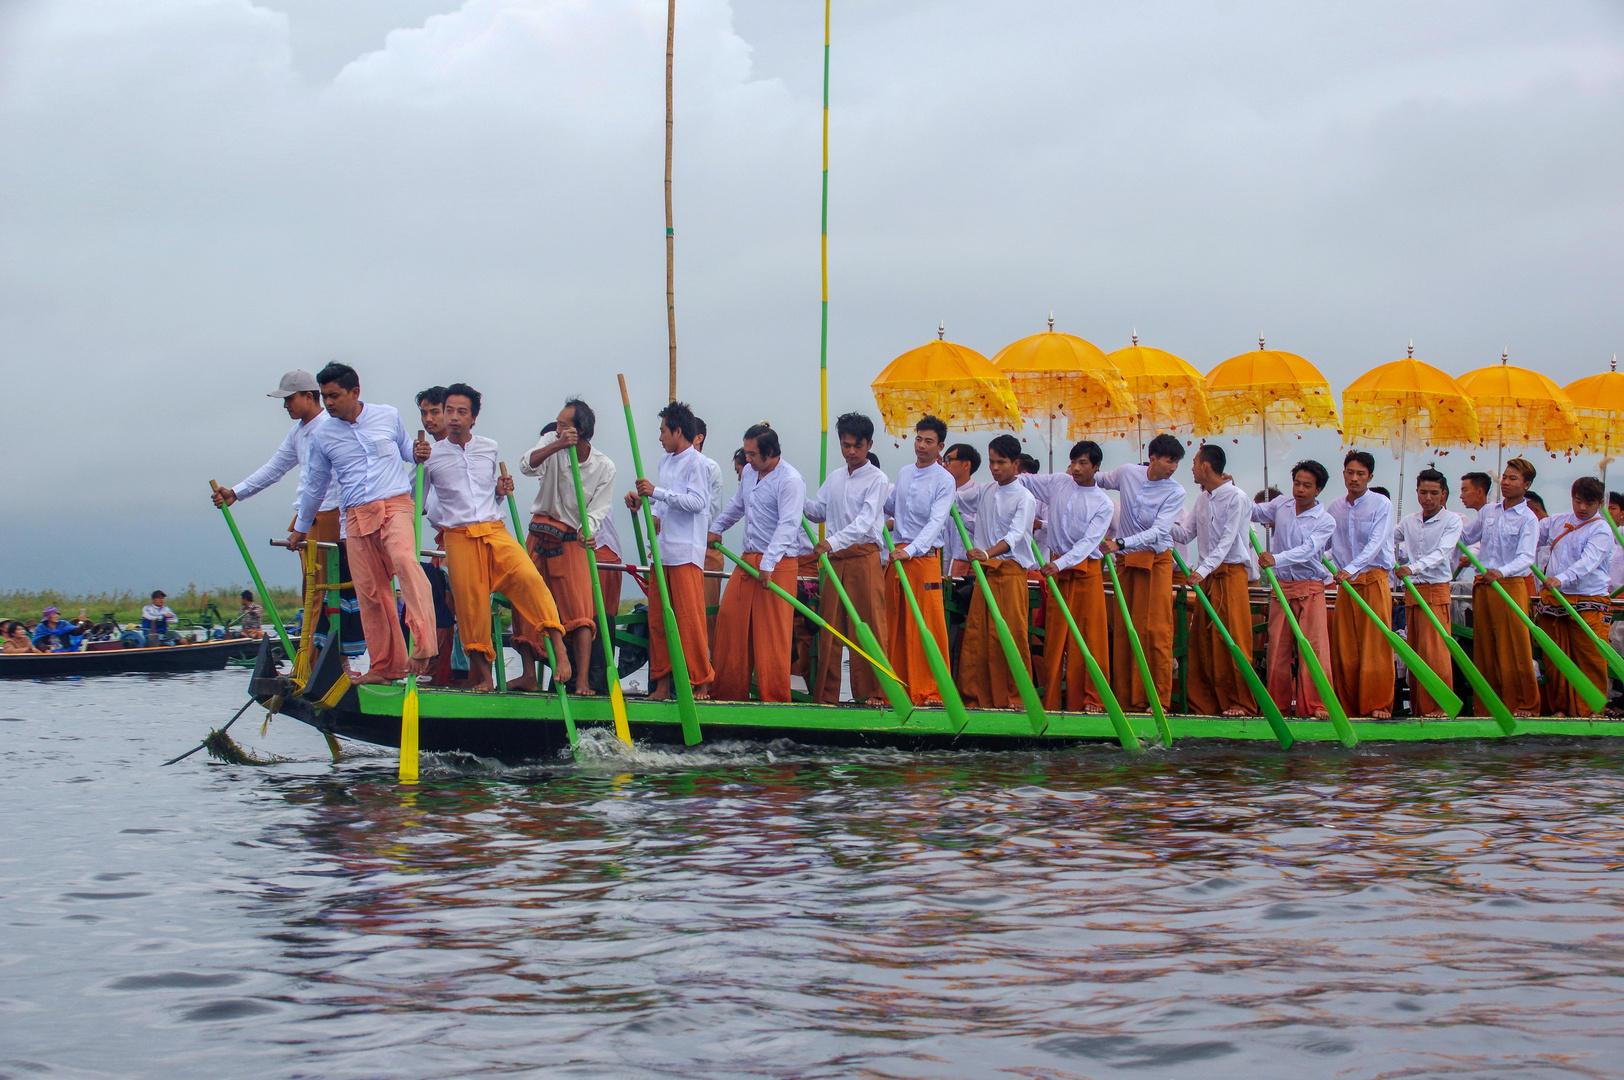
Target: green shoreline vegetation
column 126, row 604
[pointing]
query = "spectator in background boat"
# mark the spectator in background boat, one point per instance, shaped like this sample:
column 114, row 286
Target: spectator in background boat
column 1002, row 541
column 1580, row 545
column 851, row 504
column 1425, row 552
column 155, row 619
column 1302, row 534
column 1362, row 549
column 714, row 561
column 16, row 640
column 1509, row 536
column 1150, row 501
column 919, row 503
column 251, row 616
column 680, row 504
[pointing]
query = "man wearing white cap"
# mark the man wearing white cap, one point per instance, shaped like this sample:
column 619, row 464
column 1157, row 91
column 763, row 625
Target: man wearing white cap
column 301, row 398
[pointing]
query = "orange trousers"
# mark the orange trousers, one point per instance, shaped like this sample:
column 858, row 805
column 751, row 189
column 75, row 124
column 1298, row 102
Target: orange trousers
column 985, row 679
column 381, row 545
column 1558, row 695
column 860, row 573
column 1296, row 695
column 1082, row 588
column 1147, row 584
column 904, row 645
column 805, row 635
column 1362, row 670
column 686, row 584
column 609, row 581
column 1214, row 685
column 482, row 559
column 568, row 576
column 753, row 631
column 1426, row 642
column 1501, row 646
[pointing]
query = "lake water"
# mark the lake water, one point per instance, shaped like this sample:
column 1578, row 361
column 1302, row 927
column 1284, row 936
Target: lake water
column 758, row 910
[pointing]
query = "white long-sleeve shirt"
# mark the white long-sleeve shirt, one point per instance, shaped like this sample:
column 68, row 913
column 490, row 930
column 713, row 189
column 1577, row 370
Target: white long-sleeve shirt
column 555, row 491
column 1218, row 522
column 682, row 506
column 1005, row 512
column 295, row 450
column 771, row 507
column 919, row 503
column 1298, row 540
column 463, row 479
column 852, row 506
column 1580, row 552
column 1508, row 538
column 1428, row 545
column 966, row 498
column 368, row 460
column 1079, row 517
column 1364, row 533
column 1149, row 507
column 715, row 472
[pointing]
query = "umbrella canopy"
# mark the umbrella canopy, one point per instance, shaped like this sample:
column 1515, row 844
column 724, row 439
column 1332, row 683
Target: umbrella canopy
column 1170, row 394
column 1059, row 376
column 1407, row 402
column 1598, row 405
column 950, row 381
column 1519, row 407
column 1267, row 384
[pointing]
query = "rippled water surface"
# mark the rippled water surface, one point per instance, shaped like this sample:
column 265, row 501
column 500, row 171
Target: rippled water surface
column 780, row 911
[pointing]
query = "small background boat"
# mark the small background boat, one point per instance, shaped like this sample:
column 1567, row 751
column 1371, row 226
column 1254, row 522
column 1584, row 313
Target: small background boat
column 201, row 656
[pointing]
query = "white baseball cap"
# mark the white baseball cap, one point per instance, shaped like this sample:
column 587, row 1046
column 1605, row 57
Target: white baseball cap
column 295, row 381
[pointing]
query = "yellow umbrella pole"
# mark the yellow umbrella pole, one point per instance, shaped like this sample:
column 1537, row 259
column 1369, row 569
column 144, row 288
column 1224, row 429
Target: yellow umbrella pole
column 1012, row 652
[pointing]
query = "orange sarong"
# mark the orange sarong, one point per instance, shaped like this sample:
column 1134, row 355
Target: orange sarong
column 1558, row 694
column 609, row 581
column 1362, row 670
column 1147, row 584
column 380, row 546
column 1296, row 695
column 1082, row 588
column 482, row 559
column 904, row 646
column 686, row 585
column 985, row 680
column 859, row 570
column 753, row 631
column 568, row 576
column 1501, row 646
column 1215, row 685
column 1426, row 642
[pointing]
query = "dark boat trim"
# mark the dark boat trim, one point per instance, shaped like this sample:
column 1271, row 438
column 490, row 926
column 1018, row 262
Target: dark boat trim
column 203, row 656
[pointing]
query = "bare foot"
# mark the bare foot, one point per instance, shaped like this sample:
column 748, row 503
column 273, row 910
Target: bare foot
column 1236, row 711
column 524, row 684
column 1563, row 715
column 702, row 695
column 373, row 678
column 1093, row 710
column 583, row 691
column 1523, row 713
column 486, row 686
column 1321, row 714
column 1380, row 714
column 876, row 702
column 663, row 694
column 419, row 665
column 1437, row 714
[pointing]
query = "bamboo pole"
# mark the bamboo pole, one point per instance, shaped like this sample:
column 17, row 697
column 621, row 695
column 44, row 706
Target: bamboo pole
column 1440, row 690
column 896, row 692
column 939, row 669
column 1243, row 662
column 253, row 572
column 1151, row 692
column 1497, row 708
column 1012, row 653
column 1339, row 718
column 670, row 231
column 1113, row 708
column 823, row 246
column 552, row 655
column 606, row 628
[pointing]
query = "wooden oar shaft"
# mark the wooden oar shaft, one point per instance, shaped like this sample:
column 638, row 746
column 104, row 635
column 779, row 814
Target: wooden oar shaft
column 895, row 690
column 1012, row 653
column 939, row 669
column 1102, row 685
column 1440, row 690
column 1305, row 649
column 253, row 572
column 1497, row 707
column 1152, row 694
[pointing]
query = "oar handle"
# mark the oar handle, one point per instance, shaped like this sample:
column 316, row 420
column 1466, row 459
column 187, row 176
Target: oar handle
column 253, row 572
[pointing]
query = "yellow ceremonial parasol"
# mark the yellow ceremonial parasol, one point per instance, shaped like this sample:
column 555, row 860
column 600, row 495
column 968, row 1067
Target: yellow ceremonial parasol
column 1061, row 376
column 1269, row 387
column 1403, row 402
column 1521, row 407
column 1598, row 404
column 1170, row 394
column 957, row 384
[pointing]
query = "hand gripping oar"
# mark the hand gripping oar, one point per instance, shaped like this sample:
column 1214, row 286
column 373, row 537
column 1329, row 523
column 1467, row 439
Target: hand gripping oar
column 409, row 734
column 1243, row 664
column 1306, row 655
column 1012, row 653
column 606, row 629
column 896, row 691
column 1151, row 692
column 1496, row 707
column 1615, row 663
column 939, row 670
column 1102, row 685
column 686, row 711
column 1441, row 691
column 253, row 572
column 1596, row 699
column 773, row 587
column 547, row 639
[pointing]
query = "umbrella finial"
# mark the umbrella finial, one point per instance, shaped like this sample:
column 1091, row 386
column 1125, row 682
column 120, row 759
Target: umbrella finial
column 1136, row 338
column 1051, row 320
column 1260, row 340
column 941, row 328
column 1411, row 353
column 1504, row 355
column 1614, row 365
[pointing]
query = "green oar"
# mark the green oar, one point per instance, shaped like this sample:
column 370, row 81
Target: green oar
column 637, row 531
column 1496, row 707
column 1151, row 691
column 253, row 572
column 547, row 639
column 1615, row 663
column 1596, row 699
column 939, row 670
column 1305, row 651
column 1243, row 663
column 1102, row 685
column 1441, row 691
column 895, row 692
column 606, row 629
column 1012, row 653
column 686, row 711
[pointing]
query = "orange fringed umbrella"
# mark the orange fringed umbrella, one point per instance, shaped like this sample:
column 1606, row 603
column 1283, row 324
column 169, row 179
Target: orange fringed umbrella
column 1407, row 402
column 950, row 381
column 1061, row 376
column 1520, row 407
column 1170, row 394
column 1269, row 387
column 1598, row 404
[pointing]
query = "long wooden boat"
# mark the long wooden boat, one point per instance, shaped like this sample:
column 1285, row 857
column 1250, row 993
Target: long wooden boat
column 201, row 656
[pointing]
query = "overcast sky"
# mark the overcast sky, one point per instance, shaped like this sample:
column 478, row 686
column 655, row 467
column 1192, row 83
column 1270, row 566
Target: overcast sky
column 196, row 195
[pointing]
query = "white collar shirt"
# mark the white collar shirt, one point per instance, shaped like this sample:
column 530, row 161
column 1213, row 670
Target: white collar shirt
column 1364, row 533
column 1507, row 539
column 1428, row 545
column 771, row 507
column 295, row 450
column 1299, row 540
column 463, row 479
column 1580, row 552
column 1005, row 512
column 555, row 491
column 1149, row 507
column 715, row 471
column 367, row 461
column 920, row 505
column 852, row 506
column 1079, row 517
column 682, row 504
column 1218, row 522
column 1615, row 568
column 965, row 499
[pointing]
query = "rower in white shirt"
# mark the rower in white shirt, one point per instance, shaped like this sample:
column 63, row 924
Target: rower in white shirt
column 1002, row 537
column 1301, row 535
column 1508, row 535
column 1080, row 515
column 851, row 504
column 1362, row 549
column 1426, row 550
column 714, row 561
column 919, row 503
column 1219, row 523
column 1581, row 548
column 1151, row 501
column 1615, row 566
column 754, row 627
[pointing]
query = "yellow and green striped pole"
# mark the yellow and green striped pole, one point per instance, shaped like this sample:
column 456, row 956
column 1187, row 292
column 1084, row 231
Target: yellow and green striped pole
column 823, row 340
